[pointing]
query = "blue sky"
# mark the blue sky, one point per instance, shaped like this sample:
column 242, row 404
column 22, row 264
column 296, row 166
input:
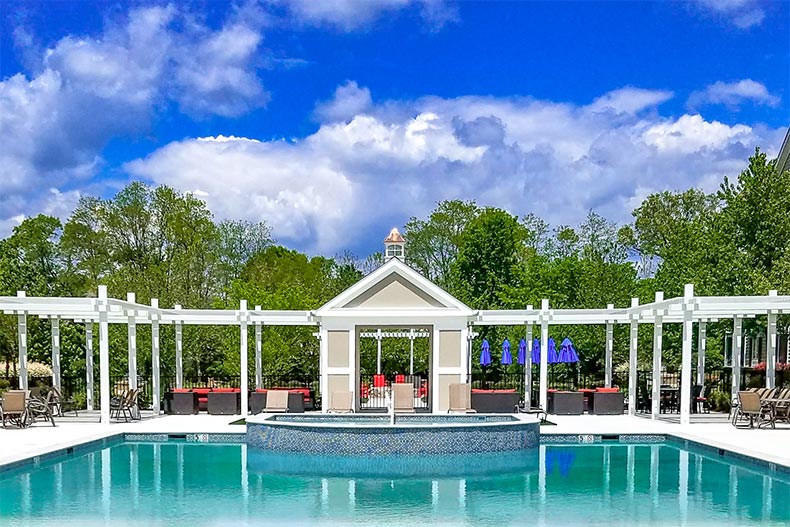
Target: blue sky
column 334, row 121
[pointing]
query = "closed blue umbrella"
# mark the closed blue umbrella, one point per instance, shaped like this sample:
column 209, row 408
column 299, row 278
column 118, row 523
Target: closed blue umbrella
column 522, row 352
column 507, row 358
column 568, row 352
column 485, row 354
column 536, row 351
column 553, row 357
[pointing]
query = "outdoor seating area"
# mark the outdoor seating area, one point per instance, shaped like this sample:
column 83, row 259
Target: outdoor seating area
column 227, row 401
column 21, row 409
column 761, row 407
column 597, row 401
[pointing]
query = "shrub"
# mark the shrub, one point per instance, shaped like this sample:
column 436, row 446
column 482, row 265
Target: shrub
column 719, row 401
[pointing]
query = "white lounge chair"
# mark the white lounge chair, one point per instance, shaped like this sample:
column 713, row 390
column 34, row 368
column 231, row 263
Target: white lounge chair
column 403, row 398
column 342, row 402
column 461, row 399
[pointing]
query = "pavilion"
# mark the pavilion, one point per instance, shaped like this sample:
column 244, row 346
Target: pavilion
column 396, row 296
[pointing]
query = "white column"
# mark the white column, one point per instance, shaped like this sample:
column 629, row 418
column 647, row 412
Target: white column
column 104, row 355
column 657, row 336
column 685, row 360
column 156, row 374
column 633, row 344
column 737, row 328
column 609, row 349
column 89, row 364
column 770, row 348
column 132, row 343
column 702, row 344
column 258, row 354
column 55, row 352
column 411, row 352
column 378, row 351
column 528, row 366
column 544, row 353
column 179, row 353
column 22, row 334
column 243, row 321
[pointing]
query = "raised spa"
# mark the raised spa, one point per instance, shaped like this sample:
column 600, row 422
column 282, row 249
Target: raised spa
column 377, row 435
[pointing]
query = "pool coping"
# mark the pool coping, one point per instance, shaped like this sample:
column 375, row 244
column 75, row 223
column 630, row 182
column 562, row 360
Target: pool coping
column 717, row 449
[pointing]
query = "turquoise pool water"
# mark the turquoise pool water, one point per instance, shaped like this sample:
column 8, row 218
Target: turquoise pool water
column 187, row 484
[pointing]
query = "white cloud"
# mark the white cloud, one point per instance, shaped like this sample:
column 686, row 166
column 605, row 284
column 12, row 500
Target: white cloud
column 630, row 100
column 87, row 90
column 349, row 101
column 398, row 158
column 733, row 94
column 348, row 15
column 743, row 14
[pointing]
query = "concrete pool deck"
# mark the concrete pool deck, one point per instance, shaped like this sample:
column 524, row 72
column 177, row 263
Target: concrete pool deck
column 766, row 444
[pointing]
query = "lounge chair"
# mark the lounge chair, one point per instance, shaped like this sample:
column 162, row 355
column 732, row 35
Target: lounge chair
column 14, row 408
column 750, row 407
column 403, row 398
column 39, row 408
column 126, row 406
column 341, row 402
column 276, row 401
column 461, row 399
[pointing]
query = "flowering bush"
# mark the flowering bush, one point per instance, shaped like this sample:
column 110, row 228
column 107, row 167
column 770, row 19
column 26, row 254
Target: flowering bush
column 34, row 369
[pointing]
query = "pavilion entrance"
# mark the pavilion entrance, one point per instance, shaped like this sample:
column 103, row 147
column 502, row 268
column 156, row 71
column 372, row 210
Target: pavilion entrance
column 387, row 355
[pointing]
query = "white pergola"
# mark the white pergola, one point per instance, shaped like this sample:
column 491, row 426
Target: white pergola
column 685, row 310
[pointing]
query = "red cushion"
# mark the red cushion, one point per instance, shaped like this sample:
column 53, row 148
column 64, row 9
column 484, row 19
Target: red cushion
column 261, row 390
column 478, row 390
column 225, row 390
column 504, row 391
column 180, row 390
column 586, row 390
column 201, row 391
column 607, row 390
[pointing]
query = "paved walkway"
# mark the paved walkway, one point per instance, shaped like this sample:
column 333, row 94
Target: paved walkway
column 771, row 445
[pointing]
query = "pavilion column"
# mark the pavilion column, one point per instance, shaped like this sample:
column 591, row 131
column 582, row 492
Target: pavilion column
column 609, row 349
column 633, row 344
column 258, row 354
column 132, row 344
column 685, row 361
column 55, row 322
column 737, row 329
column 528, row 366
column 378, row 351
column 21, row 327
column 770, row 348
column 658, row 330
column 179, row 352
column 104, row 355
column 155, row 371
column 544, row 353
column 411, row 351
column 89, row 364
column 243, row 321
column 702, row 344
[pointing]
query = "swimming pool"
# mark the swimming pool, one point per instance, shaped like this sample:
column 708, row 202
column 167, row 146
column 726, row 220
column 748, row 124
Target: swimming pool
column 179, row 483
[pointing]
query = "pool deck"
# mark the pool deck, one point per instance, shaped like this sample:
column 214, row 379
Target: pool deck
column 767, row 444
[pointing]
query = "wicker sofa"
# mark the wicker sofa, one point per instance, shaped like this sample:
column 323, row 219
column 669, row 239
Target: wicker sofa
column 495, row 401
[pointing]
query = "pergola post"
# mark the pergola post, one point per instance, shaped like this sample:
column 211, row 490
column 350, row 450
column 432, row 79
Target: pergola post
column 378, row 351
column 156, row 375
column 544, row 353
column 632, row 358
column 685, row 361
column 770, row 348
column 657, row 345
column 21, row 329
column 702, row 344
column 411, row 351
column 104, row 355
column 258, row 354
column 89, row 364
column 55, row 324
column 243, row 321
column 132, row 344
column 179, row 352
column 528, row 366
column 737, row 329
column 609, row 349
